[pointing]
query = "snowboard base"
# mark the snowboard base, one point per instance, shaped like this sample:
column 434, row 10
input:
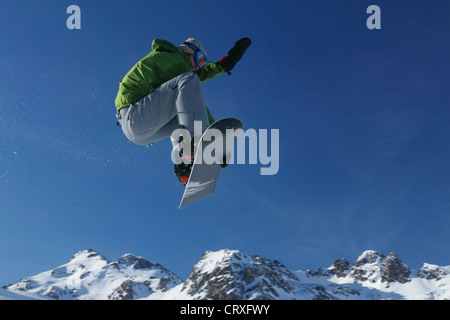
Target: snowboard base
column 204, row 176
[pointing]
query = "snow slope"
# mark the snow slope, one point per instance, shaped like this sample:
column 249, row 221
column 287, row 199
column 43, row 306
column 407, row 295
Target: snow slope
column 21, row 295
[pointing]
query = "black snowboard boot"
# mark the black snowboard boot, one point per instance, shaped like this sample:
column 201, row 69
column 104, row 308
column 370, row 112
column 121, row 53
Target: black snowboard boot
column 183, row 169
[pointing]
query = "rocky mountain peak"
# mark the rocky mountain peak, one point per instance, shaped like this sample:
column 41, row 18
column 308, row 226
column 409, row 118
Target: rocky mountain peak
column 369, row 257
column 341, row 267
column 231, row 274
column 433, row 272
column 129, row 260
column 396, row 270
column 86, row 254
column 373, row 267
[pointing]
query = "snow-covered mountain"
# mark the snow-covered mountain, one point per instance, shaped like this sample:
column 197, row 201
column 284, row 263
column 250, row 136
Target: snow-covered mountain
column 89, row 276
column 234, row 275
column 375, row 276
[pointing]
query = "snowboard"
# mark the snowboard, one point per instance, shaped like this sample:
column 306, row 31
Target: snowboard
column 205, row 172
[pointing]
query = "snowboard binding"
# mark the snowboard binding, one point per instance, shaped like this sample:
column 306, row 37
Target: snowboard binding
column 183, row 166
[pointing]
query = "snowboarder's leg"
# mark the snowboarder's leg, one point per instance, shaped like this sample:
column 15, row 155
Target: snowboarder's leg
column 170, row 110
column 190, row 103
column 181, row 97
column 191, row 107
column 142, row 121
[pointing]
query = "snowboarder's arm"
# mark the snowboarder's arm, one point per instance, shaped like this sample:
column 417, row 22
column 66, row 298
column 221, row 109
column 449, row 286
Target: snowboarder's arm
column 209, row 71
column 234, row 55
column 227, row 63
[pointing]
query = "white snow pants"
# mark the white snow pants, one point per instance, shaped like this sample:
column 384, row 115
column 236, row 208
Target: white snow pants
column 178, row 102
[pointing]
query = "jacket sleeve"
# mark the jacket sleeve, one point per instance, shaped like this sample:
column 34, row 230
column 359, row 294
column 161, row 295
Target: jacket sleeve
column 210, row 71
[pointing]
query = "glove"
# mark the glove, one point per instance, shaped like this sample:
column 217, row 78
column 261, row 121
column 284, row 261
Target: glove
column 235, row 54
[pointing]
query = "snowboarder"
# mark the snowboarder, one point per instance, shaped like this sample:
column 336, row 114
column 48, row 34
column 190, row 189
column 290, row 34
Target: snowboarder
column 162, row 94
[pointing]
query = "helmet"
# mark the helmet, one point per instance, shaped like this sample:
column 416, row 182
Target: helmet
column 192, row 46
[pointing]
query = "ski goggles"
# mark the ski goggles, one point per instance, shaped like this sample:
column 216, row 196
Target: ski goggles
column 199, row 55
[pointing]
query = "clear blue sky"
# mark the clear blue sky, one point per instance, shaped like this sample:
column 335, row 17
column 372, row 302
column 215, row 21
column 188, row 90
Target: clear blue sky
column 363, row 118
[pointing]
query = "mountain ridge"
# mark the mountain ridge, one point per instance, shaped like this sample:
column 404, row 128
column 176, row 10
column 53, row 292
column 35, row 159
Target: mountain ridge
column 234, row 275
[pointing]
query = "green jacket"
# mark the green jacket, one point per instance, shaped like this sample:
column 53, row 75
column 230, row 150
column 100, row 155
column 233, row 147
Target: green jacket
column 165, row 62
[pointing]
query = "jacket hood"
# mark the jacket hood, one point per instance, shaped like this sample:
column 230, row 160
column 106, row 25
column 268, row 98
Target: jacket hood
column 163, row 45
